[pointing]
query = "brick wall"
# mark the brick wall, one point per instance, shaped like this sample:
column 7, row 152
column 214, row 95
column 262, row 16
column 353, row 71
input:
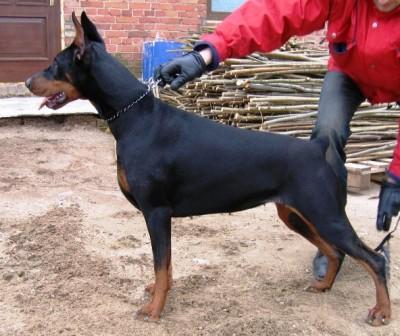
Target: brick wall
column 126, row 24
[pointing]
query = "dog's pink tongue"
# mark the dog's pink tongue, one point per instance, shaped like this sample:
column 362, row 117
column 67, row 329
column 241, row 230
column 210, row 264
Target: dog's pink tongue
column 44, row 102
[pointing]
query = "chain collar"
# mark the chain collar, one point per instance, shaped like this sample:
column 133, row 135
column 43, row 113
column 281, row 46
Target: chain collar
column 151, row 85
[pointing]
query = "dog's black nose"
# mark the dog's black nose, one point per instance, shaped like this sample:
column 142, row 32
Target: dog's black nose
column 28, row 83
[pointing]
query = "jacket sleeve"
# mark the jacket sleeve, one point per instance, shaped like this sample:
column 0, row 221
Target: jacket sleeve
column 265, row 25
column 394, row 167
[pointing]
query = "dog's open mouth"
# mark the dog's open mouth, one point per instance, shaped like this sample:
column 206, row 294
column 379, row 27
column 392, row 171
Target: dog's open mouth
column 54, row 101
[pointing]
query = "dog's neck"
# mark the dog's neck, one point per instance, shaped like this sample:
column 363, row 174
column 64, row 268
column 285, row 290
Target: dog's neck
column 112, row 86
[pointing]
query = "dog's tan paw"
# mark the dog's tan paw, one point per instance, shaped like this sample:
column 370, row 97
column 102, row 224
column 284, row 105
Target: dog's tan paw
column 148, row 313
column 318, row 287
column 378, row 316
column 150, row 288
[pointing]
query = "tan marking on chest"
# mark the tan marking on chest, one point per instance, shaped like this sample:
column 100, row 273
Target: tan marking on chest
column 122, row 179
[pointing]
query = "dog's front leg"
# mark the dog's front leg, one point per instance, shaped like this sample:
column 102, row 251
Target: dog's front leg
column 158, row 222
column 150, row 288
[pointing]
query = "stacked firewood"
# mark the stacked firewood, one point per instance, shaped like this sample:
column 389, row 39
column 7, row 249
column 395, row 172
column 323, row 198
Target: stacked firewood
column 279, row 92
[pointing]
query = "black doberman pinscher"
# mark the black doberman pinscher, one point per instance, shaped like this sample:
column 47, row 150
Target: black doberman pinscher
column 171, row 163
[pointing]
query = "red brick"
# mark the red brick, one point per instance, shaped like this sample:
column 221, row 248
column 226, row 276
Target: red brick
column 93, row 4
column 117, row 4
column 120, row 26
column 116, row 33
column 108, row 11
column 112, row 48
column 127, row 19
column 126, row 24
column 104, row 19
column 137, row 5
column 136, row 33
column 125, row 48
column 146, row 19
column 183, row 7
column 139, row 12
column 103, row 27
column 91, row 11
column 127, row 12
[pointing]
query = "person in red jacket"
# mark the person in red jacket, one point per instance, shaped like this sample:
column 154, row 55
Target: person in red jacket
column 364, row 63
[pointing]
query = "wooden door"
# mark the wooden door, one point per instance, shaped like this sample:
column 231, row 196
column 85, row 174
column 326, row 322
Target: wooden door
column 30, row 37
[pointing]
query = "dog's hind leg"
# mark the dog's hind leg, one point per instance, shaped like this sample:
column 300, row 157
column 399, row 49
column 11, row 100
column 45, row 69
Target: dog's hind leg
column 375, row 264
column 159, row 226
column 296, row 222
column 381, row 313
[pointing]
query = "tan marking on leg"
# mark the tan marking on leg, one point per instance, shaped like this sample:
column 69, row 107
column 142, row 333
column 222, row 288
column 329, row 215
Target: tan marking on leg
column 333, row 260
column 152, row 310
column 151, row 287
column 382, row 312
column 163, row 282
column 378, row 315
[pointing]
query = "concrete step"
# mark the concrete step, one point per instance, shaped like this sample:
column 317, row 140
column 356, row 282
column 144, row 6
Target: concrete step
column 29, row 107
column 14, row 90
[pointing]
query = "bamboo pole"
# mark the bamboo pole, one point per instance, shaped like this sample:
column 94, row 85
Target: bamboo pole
column 279, row 92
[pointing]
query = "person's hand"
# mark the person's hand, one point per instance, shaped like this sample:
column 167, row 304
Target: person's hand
column 389, row 202
column 181, row 70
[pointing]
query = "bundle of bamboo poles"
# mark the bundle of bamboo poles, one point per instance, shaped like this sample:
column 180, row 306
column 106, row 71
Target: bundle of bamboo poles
column 279, row 92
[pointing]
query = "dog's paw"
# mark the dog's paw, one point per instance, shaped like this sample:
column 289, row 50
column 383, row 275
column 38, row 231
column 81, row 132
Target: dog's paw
column 318, row 286
column 378, row 316
column 148, row 313
column 150, row 288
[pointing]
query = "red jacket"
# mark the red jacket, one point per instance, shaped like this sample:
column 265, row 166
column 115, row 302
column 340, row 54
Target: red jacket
column 372, row 38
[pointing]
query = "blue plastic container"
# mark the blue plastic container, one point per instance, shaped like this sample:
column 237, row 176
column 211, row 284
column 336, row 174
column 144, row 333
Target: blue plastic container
column 158, row 52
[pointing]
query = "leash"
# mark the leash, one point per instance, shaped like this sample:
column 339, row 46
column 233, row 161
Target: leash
column 152, row 86
column 384, row 248
column 387, row 238
column 155, row 87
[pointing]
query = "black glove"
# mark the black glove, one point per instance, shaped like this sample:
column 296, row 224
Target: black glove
column 181, row 70
column 389, row 203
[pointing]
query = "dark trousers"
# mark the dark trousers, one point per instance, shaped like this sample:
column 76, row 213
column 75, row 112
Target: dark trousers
column 340, row 98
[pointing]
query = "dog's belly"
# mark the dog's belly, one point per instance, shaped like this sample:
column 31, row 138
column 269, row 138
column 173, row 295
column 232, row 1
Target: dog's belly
column 222, row 180
column 220, row 201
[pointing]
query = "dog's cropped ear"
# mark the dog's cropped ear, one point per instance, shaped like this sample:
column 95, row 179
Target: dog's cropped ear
column 90, row 29
column 79, row 40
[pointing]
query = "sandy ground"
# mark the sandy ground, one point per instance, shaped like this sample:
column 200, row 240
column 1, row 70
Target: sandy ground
column 75, row 256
